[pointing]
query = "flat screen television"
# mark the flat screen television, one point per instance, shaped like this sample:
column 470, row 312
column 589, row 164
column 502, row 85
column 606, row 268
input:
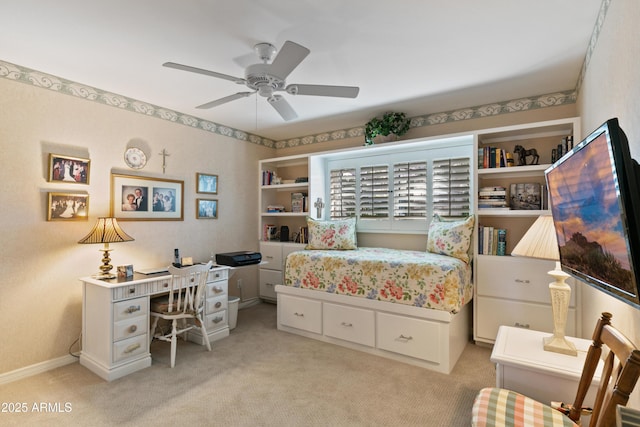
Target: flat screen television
column 595, row 204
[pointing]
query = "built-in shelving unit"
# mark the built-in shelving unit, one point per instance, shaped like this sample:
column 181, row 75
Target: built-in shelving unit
column 508, row 290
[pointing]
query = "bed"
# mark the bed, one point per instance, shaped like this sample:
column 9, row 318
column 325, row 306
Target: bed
column 411, row 306
column 414, row 278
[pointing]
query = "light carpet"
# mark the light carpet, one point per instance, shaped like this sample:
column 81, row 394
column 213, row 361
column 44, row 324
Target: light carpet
column 258, row 376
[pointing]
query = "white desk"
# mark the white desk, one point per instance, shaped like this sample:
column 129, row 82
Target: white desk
column 523, row 365
column 115, row 320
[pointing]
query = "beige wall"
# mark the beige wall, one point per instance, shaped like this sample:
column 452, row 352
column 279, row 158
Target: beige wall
column 612, row 89
column 40, row 295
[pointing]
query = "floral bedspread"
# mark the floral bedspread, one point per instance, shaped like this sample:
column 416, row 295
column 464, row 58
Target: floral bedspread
column 420, row 279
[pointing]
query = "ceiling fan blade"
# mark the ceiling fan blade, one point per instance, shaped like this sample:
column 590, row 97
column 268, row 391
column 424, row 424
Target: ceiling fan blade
column 202, row 71
column 289, row 57
column 225, row 100
column 323, row 90
column 282, row 107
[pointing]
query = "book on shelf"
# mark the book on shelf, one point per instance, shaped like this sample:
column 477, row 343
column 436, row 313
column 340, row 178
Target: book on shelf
column 492, row 198
column 492, row 241
column 494, row 157
column 275, row 209
column 303, row 235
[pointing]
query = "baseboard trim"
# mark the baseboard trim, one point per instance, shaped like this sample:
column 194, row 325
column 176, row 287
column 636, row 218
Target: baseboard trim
column 37, row 368
column 248, row 303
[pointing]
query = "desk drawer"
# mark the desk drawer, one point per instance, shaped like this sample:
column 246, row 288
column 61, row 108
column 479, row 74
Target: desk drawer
column 215, row 321
column 131, row 308
column 215, row 275
column 159, row 286
column 216, row 304
column 130, row 347
column 123, row 292
column 130, row 328
column 216, row 289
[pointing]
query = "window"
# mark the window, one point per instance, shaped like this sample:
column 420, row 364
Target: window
column 451, row 187
column 374, row 191
column 410, row 190
column 342, row 193
column 398, row 189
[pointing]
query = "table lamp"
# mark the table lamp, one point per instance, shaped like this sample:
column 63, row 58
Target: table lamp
column 106, row 231
column 540, row 242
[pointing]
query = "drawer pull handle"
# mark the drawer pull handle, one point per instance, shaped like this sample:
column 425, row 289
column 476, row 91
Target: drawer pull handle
column 166, row 285
column 269, row 257
column 132, row 309
column 298, row 314
column 218, row 304
column 269, row 284
column 525, row 281
column 133, row 328
column 347, row 325
column 132, row 348
column 522, row 325
column 217, row 319
column 402, row 337
column 217, row 289
column 132, row 290
column 217, row 275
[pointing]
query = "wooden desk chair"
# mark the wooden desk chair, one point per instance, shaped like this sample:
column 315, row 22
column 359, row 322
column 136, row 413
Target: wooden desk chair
column 183, row 304
column 500, row 407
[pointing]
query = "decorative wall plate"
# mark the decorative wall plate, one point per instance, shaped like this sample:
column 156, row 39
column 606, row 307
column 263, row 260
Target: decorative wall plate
column 135, row 158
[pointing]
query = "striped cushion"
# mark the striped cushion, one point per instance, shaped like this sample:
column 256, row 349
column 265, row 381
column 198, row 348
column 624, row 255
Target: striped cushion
column 496, row 407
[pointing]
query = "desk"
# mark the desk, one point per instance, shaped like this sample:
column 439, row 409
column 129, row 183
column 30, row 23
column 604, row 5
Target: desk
column 523, row 365
column 115, row 320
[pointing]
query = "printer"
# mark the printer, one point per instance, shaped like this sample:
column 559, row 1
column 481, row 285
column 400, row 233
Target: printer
column 239, row 259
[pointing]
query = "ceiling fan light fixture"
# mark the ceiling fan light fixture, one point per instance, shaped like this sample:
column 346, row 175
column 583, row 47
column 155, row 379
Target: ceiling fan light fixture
column 265, row 51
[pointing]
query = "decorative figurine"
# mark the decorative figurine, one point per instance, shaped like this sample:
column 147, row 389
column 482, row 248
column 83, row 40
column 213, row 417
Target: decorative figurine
column 524, row 153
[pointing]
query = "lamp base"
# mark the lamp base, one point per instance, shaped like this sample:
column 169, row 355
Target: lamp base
column 559, row 345
column 102, row 276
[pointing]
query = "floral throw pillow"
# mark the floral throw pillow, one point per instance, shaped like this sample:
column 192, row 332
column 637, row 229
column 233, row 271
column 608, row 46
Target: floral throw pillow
column 451, row 238
column 337, row 234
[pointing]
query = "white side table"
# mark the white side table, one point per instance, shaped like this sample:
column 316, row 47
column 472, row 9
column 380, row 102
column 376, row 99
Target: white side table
column 522, row 365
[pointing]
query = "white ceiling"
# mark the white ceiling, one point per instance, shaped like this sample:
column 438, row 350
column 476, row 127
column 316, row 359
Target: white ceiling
column 415, row 56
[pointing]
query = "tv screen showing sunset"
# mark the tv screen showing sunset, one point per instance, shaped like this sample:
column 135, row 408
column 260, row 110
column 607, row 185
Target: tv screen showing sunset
column 588, row 217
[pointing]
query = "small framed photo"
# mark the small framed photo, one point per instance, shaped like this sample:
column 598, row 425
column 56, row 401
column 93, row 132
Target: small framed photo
column 206, row 209
column 68, row 207
column 206, row 183
column 141, row 198
column 125, row 271
column 72, row 170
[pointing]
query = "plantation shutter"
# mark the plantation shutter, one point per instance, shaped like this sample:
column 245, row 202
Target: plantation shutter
column 451, row 187
column 410, row 190
column 342, row 193
column 374, row 191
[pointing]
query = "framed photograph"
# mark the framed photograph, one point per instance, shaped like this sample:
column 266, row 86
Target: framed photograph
column 68, row 207
column 206, row 209
column 146, row 199
column 72, row 170
column 206, row 183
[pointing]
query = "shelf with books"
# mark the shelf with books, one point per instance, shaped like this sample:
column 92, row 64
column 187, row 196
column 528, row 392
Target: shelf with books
column 508, row 201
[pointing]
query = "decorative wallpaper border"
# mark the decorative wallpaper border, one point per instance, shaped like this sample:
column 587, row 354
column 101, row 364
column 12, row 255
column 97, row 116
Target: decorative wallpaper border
column 58, row 84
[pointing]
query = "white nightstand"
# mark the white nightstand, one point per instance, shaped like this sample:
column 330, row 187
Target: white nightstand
column 522, row 365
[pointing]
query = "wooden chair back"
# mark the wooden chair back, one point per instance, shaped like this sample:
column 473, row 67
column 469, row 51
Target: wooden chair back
column 619, row 375
column 188, row 288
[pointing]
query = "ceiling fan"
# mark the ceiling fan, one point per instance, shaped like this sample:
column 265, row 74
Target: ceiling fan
column 268, row 78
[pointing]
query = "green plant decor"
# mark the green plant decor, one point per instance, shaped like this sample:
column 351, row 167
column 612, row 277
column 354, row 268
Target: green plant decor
column 390, row 123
